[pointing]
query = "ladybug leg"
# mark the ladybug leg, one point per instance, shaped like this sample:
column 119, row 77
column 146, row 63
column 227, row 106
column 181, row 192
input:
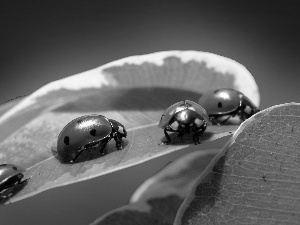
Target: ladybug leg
column 213, row 120
column 196, row 136
column 118, row 139
column 24, row 181
column 196, row 139
column 180, row 135
column 6, row 193
column 167, row 136
column 78, row 154
column 242, row 117
column 20, row 181
column 245, row 116
column 104, row 145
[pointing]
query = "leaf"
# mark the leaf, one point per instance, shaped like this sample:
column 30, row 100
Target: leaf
column 134, row 91
column 157, row 200
column 9, row 104
column 255, row 178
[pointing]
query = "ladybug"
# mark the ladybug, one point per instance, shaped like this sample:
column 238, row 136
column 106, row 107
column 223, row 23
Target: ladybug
column 88, row 131
column 227, row 103
column 10, row 177
column 184, row 117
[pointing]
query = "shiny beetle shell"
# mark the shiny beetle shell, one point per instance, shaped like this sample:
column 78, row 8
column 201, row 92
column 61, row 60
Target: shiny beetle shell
column 227, row 101
column 81, row 132
column 184, row 117
column 10, row 175
column 179, row 106
column 221, row 101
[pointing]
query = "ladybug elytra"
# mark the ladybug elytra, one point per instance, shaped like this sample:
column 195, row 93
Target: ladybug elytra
column 88, row 131
column 184, row 117
column 10, row 177
column 227, row 103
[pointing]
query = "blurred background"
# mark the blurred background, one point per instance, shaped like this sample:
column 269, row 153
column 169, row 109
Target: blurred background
column 42, row 41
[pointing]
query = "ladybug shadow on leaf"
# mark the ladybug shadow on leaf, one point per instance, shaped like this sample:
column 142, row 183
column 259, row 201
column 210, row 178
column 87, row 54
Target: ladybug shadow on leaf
column 187, row 139
column 226, row 120
column 141, row 99
column 91, row 153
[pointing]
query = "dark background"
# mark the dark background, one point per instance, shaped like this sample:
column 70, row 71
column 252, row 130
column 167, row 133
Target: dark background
column 42, row 41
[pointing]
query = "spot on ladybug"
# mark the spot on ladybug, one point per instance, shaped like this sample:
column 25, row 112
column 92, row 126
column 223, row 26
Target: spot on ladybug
column 248, row 109
column 174, row 125
column 66, row 140
column 93, row 132
column 198, row 122
column 219, row 104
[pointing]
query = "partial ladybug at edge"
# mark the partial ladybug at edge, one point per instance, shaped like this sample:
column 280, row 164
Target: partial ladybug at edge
column 184, row 117
column 10, row 177
column 225, row 103
column 88, row 131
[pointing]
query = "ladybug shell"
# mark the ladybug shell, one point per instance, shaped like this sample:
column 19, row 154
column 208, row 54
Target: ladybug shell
column 8, row 171
column 221, row 101
column 179, row 106
column 81, row 132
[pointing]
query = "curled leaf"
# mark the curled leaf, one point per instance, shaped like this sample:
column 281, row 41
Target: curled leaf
column 134, row 91
column 157, row 200
column 255, row 178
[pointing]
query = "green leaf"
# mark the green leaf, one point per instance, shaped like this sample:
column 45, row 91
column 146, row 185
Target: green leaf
column 157, row 200
column 255, row 178
column 134, row 91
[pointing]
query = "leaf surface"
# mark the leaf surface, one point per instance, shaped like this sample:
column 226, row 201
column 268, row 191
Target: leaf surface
column 134, row 91
column 157, row 200
column 255, row 178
